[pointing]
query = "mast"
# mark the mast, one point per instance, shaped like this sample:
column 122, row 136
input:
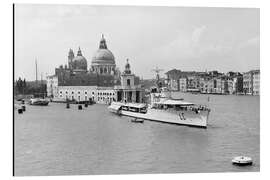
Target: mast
column 157, row 71
column 36, row 71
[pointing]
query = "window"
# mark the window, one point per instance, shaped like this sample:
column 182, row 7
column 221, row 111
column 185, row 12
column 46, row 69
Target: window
column 128, row 82
column 93, row 93
column 72, row 93
column 79, row 92
column 85, row 92
column 60, row 92
column 66, row 92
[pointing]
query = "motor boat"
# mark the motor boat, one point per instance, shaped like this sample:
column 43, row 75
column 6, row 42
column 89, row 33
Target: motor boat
column 242, row 160
column 163, row 108
column 38, row 102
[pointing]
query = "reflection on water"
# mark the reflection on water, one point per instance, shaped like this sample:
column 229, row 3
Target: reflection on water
column 54, row 140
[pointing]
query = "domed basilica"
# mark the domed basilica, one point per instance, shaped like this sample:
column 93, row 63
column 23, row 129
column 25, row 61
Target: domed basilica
column 101, row 82
column 102, row 71
column 102, row 61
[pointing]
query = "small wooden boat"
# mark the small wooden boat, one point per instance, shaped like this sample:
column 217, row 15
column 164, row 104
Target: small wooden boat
column 242, row 161
column 136, row 120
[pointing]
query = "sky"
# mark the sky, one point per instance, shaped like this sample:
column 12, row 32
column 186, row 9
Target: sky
column 189, row 39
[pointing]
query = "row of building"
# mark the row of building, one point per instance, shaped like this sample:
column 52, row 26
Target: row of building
column 214, row 82
column 101, row 82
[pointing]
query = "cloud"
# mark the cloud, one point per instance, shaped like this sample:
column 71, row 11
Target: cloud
column 197, row 33
column 254, row 41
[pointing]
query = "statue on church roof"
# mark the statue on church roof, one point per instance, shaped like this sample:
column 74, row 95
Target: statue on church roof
column 127, row 68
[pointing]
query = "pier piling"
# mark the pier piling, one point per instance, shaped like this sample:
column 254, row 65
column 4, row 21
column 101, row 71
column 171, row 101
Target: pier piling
column 20, row 111
column 80, row 107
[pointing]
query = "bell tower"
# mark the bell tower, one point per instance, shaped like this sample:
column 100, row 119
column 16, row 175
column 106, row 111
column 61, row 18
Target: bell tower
column 70, row 58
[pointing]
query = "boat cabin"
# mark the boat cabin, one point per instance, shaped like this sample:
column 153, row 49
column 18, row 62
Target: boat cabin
column 134, row 107
column 178, row 105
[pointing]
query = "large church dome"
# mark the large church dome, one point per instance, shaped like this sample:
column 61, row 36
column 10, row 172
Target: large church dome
column 103, row 55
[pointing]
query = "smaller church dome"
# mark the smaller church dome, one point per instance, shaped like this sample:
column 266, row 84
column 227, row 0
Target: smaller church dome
column 79, row 62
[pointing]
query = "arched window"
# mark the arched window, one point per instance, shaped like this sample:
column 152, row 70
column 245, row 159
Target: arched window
column 101, row 70
column 105, row 70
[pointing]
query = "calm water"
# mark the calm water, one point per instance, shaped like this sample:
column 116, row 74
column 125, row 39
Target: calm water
column 54, row 140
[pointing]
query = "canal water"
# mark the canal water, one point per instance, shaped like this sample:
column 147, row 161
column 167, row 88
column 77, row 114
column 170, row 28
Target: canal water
column 53, row 140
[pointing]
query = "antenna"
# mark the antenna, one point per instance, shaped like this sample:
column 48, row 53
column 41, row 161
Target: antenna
column 157, row 71
column 36, row 70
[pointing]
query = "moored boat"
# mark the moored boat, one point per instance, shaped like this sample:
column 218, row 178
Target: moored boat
column 38, row 102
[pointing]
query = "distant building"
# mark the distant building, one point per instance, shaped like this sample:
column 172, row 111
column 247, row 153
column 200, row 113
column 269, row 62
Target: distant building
column 52, row 86
column 238, row 84
column 251, row 82
column 183, row 84
column 256, row 82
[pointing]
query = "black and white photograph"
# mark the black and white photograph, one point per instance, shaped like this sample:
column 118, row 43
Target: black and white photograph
column 117, row 89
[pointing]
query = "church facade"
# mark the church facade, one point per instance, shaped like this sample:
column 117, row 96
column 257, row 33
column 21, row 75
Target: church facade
column 101, row 82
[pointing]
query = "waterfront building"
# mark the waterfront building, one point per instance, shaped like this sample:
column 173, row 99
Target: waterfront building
column 173, row 77
column 247, row 83
column 237, row 84
column 130, row 90
column 256, row 82
column 251, row 82
column 193, row 84
column 174, row 84
column 218, row 84
column 101, row 95
column 183, row 84
column 52, row 86
column 230, row 86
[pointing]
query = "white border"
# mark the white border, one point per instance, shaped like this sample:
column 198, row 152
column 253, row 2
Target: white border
column 6, row 85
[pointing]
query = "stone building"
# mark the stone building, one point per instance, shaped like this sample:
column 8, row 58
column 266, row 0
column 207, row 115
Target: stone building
column 130, row 90
column 75, row 82
column 256, row 82
column 183, row 84
column 52, row 85
column 251, row 82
